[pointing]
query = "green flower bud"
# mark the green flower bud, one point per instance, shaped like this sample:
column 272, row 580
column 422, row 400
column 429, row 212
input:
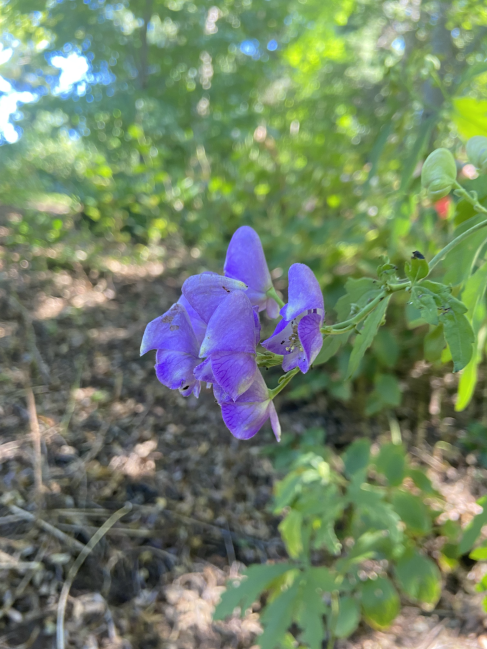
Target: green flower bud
column 439, row 173
column 477, row 152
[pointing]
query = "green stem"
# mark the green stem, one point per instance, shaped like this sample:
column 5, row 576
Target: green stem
column 335, row 609
column 351, row 323
column 477, row 206
column 283, row 381
column 273, row 294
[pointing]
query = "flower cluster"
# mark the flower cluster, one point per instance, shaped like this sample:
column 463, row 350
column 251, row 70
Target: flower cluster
column 212, row 333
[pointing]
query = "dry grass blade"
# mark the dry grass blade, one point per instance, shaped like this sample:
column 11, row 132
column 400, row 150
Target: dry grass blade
column 73, row 571
column 47, row 527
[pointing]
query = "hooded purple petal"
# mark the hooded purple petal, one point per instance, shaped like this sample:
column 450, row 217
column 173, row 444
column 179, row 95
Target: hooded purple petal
column 188, row 390
column 175, row 369
column 304, row 293
column 198, row 324
column 231, row 328
column 246, row 261
column 292, row 360
column 204, row 372
column 272, row 308
column 279, row 340
column 244, row 420
column 207, row 291
column 276, row 426
column 250, row 411
column 257, row 324
column 310, row 338
column 220, row 395
column 171, row 331
column 234, row 372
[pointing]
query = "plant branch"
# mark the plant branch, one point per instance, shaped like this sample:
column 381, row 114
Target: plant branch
column 73, row 571
column 273, row 294
column 283, row 381
column 477, row 206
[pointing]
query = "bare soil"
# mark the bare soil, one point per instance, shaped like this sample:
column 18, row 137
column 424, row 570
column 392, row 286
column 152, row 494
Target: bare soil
column 111, row 434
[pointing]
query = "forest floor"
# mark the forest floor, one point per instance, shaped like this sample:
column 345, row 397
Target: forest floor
column 111, row 434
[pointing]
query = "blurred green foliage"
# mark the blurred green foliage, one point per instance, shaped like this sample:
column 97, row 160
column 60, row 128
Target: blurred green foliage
column 307, row 120
column 356, row 528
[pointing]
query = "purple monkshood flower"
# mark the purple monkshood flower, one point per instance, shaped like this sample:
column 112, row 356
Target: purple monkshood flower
column 173, row 336
column 298, row 336
column 246, row 261
column 246, row 416
column 205, row 292
column 229, row 346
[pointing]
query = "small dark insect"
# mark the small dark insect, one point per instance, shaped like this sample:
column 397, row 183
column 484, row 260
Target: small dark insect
column 417, row 255
column 186, row 387
column 283, row 342
column 226, row 289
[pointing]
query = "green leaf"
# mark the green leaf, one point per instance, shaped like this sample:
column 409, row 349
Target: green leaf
column 312, row 609
column 458, row 263
column 364, row 339
column 385, row 348
column 358, row 292
column 286, row 491
column 470, row 116
column 331, row 344
column 479, row 554
column 473, row 298
column 472, row 531
column 348, row 617
column 365, row 546
column 391, row 462
column 474, row 290
column 322, row 578
column 386, row 393
column 419, row 577
column 421, row 480
column 466, row 384
column 245, row 592
column 459, row 336
column 434, row 343
column 277, row 617
column 413, row 512
column 356, row 457
column 291, row 531
column 326, row 537
column 380, row 602
column 382, row 517
column 425, row 301
column 464, row 209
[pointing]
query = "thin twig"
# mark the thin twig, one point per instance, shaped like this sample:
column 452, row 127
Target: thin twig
column 72, row 398
column 47, row 527
column 73, row 571
column 148, row 509
column 31, row 337
column 36, row 437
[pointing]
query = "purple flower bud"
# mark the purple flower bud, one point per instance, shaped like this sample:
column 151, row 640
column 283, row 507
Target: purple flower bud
column 246, row 261
column 298, row 337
